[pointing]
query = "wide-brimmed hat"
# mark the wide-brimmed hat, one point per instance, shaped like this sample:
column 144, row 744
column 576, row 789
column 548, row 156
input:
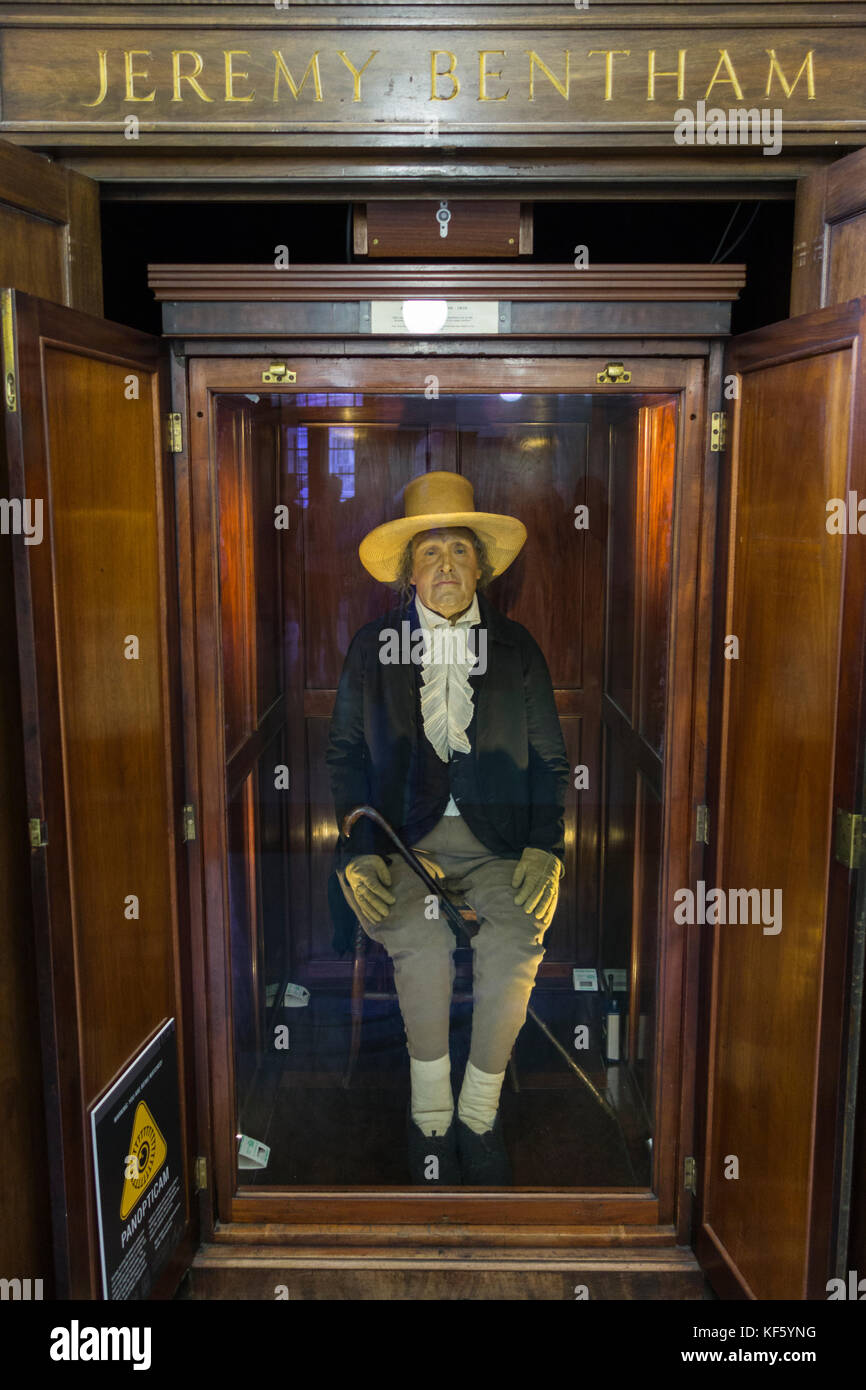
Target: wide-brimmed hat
column 439, row 500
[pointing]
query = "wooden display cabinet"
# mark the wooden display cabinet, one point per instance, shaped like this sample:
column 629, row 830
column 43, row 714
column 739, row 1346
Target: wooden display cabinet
column 702, row 766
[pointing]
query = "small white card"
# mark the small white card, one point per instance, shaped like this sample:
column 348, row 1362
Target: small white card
column 252, row 1153
column 617, row 980
column 585, row 979
column 296, row 997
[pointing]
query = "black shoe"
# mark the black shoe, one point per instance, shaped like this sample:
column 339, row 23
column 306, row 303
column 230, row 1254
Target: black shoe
column 483, row 1158
column 423, row 1148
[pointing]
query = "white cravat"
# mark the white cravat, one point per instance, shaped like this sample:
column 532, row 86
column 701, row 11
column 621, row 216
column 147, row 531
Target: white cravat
column 446, row 695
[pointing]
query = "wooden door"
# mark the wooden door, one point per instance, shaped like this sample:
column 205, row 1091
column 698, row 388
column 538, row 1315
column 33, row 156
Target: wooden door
column 96, row 605
column 788, row 755
column 49, row 246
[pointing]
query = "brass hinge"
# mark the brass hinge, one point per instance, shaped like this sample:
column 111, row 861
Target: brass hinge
column 718, row 431
column 10, row 393
column 848, row 846
column 614, row 374
column 702, row 831
column 278, row 373
column 200, row 1174
column 38, row 833
column 188, row 823
column 690, row 1176
column 174, row 433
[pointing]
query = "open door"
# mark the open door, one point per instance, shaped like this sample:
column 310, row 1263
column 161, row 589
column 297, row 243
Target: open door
column 788, row 744
column 96, row 608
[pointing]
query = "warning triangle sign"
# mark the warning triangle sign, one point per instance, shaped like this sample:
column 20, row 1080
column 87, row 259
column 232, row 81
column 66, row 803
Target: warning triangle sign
column 144, row 1158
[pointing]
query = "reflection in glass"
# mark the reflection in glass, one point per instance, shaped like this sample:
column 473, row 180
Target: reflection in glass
column 301, row 479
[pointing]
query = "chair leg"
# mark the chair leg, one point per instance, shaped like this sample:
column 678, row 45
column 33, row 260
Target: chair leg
column 357, row 1004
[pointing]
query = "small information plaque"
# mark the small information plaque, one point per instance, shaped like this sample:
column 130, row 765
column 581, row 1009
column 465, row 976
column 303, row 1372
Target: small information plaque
column 429, row 317
column 139, row 1170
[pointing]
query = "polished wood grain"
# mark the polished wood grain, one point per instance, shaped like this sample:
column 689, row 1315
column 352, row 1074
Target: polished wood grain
column 49, row 246
column 337, row 283
column 786, row 753
column 402, row 230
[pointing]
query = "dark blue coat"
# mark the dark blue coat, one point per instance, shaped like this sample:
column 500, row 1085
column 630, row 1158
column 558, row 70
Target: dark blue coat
column 510, row 788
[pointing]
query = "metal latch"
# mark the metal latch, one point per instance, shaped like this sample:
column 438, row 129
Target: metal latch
column 718, row 431
column 200, row 1174
column 702, row 831
column 278, row 373
column 174, row 433
column 614, row 374
column 443, row 217
column 690, row 1176
column 848, row 839
column 188, row 823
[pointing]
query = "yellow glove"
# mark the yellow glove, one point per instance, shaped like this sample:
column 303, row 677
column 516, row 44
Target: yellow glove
column 539, row 873
column 367, row 875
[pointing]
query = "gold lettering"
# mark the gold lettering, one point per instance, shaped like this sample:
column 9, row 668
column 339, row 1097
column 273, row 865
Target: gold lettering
column 609, row 54
column 178, row 76
column 680, row 75
column 810, row 75
column 230, row 53
column 732, row 80
column 561, row 87
column 483, row 74
column 102, row 55
column 312, row 67
column 131, row 74
column 357, row 73
column 435, row 53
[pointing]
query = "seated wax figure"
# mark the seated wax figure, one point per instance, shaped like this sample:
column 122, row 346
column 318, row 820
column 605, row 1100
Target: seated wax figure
column 460, row 749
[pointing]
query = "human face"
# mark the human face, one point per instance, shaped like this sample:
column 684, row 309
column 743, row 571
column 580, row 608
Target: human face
column 446, row 571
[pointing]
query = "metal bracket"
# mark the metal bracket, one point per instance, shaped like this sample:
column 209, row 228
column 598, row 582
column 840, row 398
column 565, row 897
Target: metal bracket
column 690, row 1176
column 718, row 431
column 702, row 829
column 278, row 374
column 174, row 432
column 614, row 374
column 38, row 831
column 188, row 823
column 848, row 841
column 10, row 393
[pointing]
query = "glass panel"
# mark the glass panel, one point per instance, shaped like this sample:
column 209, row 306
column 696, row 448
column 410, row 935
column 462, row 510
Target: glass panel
column 323, row 1080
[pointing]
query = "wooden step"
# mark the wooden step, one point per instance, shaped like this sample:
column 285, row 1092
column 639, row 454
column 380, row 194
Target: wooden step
column 230, row 1270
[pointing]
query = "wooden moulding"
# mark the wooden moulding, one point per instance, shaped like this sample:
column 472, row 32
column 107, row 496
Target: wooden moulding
column 339, row 284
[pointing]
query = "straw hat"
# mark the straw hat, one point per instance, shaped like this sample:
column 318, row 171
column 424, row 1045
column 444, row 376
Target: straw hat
column 439, row 500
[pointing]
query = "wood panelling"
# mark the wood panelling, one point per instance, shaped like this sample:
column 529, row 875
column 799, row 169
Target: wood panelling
column 49, row 246
column 787, row 756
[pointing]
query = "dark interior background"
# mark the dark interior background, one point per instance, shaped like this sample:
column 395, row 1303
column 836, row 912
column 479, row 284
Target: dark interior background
column 757, row 233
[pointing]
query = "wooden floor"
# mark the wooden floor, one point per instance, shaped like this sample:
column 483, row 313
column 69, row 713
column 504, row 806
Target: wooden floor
column 320, row 1132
